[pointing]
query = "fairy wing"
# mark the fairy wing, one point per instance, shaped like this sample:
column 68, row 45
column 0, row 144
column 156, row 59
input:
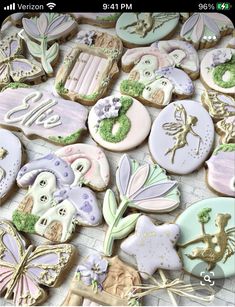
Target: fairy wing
column 171, row 127
column 230, row 248
column 21, row 69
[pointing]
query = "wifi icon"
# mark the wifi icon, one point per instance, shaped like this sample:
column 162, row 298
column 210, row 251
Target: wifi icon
column 51, row 5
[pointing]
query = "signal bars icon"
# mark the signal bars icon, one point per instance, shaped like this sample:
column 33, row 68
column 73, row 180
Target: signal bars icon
column 10, row 7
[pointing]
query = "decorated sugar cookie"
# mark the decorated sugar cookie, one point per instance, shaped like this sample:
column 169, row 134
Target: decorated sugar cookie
column 11, row 155
column 114, row 120
column 104, row 20
column 153, row 246
column 218, row 105
column 231, row 43
column 226, row 130
column 39, row 113
column 105, row 281
column 183, row 55
column 141, row 29
column 14, row 66
column 45, row 29
column 98, row 67
column 217, row 70
column 204, row 30
column 208, row 246
column 52, row 207
column 181, row 137
column 24, row 269
column 143, row 187
column 89, row 164
column 221, row 170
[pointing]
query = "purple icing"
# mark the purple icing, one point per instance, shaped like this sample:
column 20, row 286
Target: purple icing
column 123, row 174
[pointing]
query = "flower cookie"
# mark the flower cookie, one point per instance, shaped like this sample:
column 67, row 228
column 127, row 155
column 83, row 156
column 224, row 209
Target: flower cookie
column 105, row 281
column 226, row 130
column 14, row 66
column 39, row 113
column 11, row 156
column 153, row 246
column 103, row 20
column 221, row 170
column 204, row 30
column 43, row 31
column 208, row 246
column 143, row 187
column 181, row 137
column 114, row 120
column 218, row 70
column 24, row 269
column 89, row 164
column 52, row 207
column 141, row 29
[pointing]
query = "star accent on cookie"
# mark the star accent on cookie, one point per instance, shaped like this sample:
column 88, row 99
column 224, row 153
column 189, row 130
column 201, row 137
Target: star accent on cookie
column 153, row 246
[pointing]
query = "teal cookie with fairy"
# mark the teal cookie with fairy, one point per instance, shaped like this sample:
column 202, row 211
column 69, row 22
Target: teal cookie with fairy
column 208, row 246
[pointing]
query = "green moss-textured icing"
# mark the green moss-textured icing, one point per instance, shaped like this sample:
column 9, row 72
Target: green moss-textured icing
column 15, row 85
column 224, row 147
column 90, row 97
column 66, row 140
column 221, row 69
column 111, row 17
column 24, row 221
column 60, row 88
column 204, row 215
column 111, row 53
column 132, row 88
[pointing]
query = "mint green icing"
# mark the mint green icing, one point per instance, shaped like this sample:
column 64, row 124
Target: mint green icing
column 66, row 140
column 61, row 89
column 224, row 147
column 221, row 69
column 24, row 221
column 204, row 216
column 132, row 88
column 15, row 85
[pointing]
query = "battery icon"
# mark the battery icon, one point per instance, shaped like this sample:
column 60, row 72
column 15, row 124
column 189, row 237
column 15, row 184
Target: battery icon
column 223, row 6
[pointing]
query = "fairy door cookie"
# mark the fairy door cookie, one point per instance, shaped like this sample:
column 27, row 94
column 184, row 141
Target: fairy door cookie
column 181, row 137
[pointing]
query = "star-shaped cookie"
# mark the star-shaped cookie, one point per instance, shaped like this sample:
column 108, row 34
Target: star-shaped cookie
column 153, row 246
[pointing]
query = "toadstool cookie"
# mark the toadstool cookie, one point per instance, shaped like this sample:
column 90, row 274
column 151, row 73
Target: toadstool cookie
column 181, row 137
column 24, row 269
column 153, row 246
column 39, row 113
column 218, row 70
column 208, row 245
column 104, row 20
column 221, row 170
column 105, row 281
column 204, row 30
column 11, row 156
column 89, row 164
column 141, row 29
column 226, row 130
column 114, row 120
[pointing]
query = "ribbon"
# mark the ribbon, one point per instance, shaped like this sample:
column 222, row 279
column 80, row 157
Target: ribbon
column 177, row 287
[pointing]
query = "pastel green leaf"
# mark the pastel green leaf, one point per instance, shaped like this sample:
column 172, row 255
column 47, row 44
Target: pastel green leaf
column 34, row 49
column 125, row 226
column 109, row 207
column 52, row 52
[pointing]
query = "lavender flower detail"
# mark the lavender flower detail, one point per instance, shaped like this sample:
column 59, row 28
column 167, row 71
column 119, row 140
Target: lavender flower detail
column 93, row 271
column 107, row 108
column 86, row 37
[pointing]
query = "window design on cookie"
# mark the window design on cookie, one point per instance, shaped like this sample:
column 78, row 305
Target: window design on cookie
column 226, row 130
column 23, row 269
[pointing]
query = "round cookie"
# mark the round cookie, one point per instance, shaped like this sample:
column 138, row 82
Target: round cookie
column 181, row 137
column 11, row 156
column 208, row 245
column 218, row 70
column 141, row 29
column 113, row 123
column 221, row 170
column 89, row 164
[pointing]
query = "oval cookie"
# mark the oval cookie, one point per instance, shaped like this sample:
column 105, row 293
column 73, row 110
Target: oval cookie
column 210, row 241
column 218, row 70
column 114, row 121
column 139, row 29
column 181, row 137
column 10, row 160
column 221, row 170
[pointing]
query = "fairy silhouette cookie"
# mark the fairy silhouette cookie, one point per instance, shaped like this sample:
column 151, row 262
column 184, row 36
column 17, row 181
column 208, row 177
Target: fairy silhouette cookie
column 181, row 137
column 211, row 239
column 24, row 269
column 52, row 207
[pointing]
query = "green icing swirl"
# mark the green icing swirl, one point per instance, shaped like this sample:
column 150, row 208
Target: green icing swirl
column 24, row 221
column 132, row 88
column 221, row 69
column 224, row 147
column 204, row 216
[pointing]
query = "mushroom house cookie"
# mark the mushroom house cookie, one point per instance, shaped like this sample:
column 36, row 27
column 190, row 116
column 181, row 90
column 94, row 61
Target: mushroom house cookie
column 153, row 246
column 11, row 156
column 204, row 30
column 114, row 120
column 221, row 170
column 102, row 280
column 89, row 164
column 208, row 246
column 141, row 29
column 218, row 70
column 52, row 206
column 181, row 137
column 24, row 269
column 103, row 20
